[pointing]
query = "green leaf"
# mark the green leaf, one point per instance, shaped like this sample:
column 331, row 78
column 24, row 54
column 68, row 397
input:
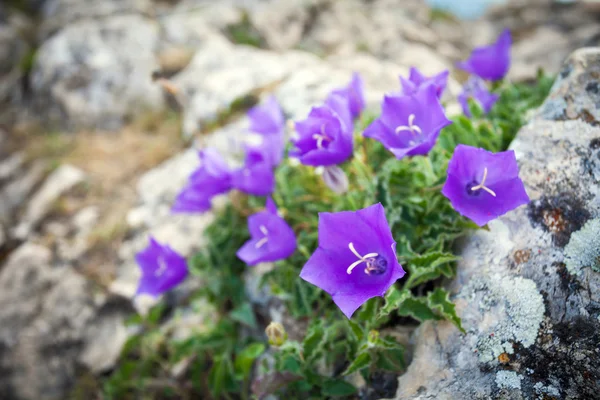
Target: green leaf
column 439, row 300
column 361, row 361
column 313, row 341
column 393, row 299
column 418, row 309
column 338, row 387
column 245, row 358
column 429, row 266
column 244, row 315
column 221, row 375
column 391, row 360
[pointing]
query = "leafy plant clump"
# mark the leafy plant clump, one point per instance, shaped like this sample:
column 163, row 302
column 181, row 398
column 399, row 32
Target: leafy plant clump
column 317, row 352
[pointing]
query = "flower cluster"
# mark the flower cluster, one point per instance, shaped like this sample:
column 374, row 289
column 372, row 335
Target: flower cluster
column 486, row 63
column 356, row 258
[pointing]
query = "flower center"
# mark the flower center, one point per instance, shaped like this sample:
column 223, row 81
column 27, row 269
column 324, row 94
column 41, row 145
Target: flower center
column 320, row 137
column 471, row 190
column 264, row 240
column 411, row 127
column 162, row 267
column 376, row 264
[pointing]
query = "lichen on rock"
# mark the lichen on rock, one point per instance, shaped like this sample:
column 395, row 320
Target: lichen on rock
column 583, row 249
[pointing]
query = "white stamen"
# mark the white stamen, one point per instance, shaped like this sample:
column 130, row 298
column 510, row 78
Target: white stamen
column 411, row 127
column 361, row 258
column 264, row 240
column 482, row 184
column 321, row 137
column 162, row 267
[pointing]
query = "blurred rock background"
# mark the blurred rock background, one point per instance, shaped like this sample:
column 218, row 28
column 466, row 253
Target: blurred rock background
column 103, row 102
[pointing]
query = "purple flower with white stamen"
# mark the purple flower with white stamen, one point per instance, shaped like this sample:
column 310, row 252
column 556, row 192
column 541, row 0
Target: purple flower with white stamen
column 490, row 62
column 482, row 185
column 213, row 177
column 475, row 89
column 325, row 137
column 354, row 94
column 271, row 238
column 162, row 268
column 409, row 125
column 416, row 81
column 356, row 258
column 267, row 118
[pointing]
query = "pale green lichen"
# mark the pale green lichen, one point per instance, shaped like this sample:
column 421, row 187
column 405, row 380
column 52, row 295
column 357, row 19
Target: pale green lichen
column 508, row 380
column 520, row 309
column 583, row 250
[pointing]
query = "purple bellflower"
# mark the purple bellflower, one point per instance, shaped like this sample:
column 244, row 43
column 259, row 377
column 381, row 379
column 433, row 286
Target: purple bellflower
column 326, row 136
column 356, row 258
column 490, row 62
column 416, row 80
column 271, row 238
column 354, row 94
column 162, row 268
column 267, row 118
column 482, row 185
column 213, row 177
column 475, row 88
column 409, row 125
column 256, row 177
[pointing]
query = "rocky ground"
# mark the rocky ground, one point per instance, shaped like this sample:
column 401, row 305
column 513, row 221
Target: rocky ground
column 101, row 104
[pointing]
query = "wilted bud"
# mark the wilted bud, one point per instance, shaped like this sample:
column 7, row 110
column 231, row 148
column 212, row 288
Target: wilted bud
column 276, row 334
column 335, row 178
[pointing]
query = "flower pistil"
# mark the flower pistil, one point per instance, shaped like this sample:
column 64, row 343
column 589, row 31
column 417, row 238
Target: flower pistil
column 482, row 184
column 368, row 258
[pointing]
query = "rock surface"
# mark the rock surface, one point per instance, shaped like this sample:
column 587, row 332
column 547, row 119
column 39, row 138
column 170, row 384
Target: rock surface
column 96, row 74
column 50, row 322
column 528, row 290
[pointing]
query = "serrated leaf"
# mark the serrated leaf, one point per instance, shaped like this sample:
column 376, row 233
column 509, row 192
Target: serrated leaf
column 393, row 300
column 338, row 387
column 429, row 266
column 418, row 309
column 357, row 329
column 313, row 341
column 362, row 360
column 439, row 300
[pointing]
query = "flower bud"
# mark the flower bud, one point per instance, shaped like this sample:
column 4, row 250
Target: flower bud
column 276, row 334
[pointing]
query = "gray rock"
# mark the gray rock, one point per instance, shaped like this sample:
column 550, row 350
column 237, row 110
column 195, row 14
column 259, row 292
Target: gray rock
column 57, row 14
column 51, row 319
column 10, row 166
column 61, row 180
column 528, row 290
column 14, row 193
column 96, row 74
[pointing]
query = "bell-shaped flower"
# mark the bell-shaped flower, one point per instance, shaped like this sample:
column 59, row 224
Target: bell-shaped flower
column 325, row 137
column 356, row 258
column 213, row 177
column 416, row 81
column 475, row 89
column 409, row 125
column 267, row 118
column 162, row 268
column 256, row 176
column 490, row 62
column 354, row 94
column 271, row 238
column 482, row 185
